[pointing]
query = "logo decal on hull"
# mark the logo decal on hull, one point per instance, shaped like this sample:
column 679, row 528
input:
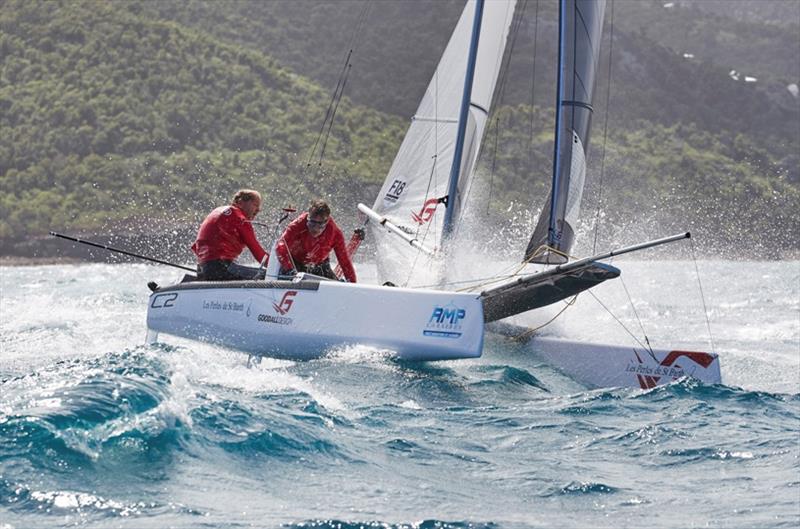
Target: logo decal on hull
column 164, row 301
column 286, row 302
column 445, row 322
column 269, row 318
column 231, row 306
column 649, row 376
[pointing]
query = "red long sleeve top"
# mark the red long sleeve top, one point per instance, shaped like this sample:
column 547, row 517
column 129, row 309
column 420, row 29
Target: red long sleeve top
column 224, row 234
column 309, row 250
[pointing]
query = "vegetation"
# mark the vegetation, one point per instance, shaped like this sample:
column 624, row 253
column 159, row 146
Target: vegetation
column 107, row 116
column 692, row 180
column 139, row 117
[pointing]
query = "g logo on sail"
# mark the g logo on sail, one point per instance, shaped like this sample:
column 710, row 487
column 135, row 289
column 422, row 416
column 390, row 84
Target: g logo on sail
column 426, row 212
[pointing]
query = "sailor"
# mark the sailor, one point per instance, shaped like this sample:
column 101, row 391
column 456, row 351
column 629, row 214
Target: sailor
column 224, row 234
column 307, row 242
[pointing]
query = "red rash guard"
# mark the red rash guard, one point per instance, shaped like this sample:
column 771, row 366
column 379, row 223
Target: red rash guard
column 223, row 236
column 308, row 250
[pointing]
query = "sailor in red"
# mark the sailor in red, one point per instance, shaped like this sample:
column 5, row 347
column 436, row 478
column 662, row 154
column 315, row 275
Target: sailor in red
column 224, row 234
column 308, row 241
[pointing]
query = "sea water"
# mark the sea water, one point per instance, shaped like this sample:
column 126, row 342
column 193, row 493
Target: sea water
column 99, row 430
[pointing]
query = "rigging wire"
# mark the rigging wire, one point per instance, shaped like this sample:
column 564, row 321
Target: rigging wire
column 333, row 116
column 533, row 85
column 514, row 31
column 617, row 319
column 329, row 110
column 635, row 313
column 605, row 133
column 338, row 92
column 433, row 178
column 702, row 297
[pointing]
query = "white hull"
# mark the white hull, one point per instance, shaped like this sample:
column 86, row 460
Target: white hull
column 602, row 365
column 305, row 319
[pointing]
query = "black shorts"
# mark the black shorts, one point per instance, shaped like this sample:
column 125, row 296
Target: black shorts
column 221, row 270
column 322, row 269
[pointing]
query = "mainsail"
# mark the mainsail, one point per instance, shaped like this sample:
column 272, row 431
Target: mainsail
column 580, row 30
column 415, row 193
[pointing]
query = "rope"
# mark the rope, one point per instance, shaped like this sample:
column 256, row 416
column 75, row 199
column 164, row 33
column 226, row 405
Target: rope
column 530, row 332
column 605, row 135
column 500, row 276
column 702, row 297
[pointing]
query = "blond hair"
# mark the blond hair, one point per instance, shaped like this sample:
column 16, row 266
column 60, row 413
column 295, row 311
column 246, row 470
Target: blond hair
column 246, row 195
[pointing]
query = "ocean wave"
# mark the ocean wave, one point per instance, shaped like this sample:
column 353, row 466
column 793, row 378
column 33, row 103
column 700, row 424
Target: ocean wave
column 84, row 506
column 424, row 524
column 508, row 376
column 67, row 415
column 580, row 488
column 687, row 387
column 694, row 455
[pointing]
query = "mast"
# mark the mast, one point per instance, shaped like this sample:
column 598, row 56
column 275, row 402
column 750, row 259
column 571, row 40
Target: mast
column 455, row 170
column 552, row 235
column 580, row 30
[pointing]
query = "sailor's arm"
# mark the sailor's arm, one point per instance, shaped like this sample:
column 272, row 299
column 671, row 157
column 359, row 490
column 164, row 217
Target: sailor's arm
column 249, row 238
column 282, row 246
column 340, row 249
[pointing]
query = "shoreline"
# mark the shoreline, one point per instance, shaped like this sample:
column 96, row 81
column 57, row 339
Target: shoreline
column 16, row 260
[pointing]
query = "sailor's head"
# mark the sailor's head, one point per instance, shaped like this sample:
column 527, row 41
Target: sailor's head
column 248, row 201
column 318, row 214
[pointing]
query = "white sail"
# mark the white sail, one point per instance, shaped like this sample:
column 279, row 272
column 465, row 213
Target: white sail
column 413, row 194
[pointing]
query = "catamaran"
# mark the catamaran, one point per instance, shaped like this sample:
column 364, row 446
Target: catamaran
column 417, row 214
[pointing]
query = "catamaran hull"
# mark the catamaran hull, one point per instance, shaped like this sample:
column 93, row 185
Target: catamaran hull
column 604, row 366
column 306, row 319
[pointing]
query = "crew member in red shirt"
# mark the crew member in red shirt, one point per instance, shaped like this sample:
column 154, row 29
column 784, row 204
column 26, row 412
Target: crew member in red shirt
column 307, row 242
column 222, row 237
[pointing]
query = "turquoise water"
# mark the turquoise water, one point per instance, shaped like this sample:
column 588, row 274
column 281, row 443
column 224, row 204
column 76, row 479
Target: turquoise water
column 98, row 430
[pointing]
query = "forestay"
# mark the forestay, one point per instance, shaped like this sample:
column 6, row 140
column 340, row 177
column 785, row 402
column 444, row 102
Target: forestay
column 414, row 194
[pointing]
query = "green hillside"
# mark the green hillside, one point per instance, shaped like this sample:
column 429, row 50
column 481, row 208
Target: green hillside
column 138, row 117
column 108, row 115
column 651, row 78
column 655, row 90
